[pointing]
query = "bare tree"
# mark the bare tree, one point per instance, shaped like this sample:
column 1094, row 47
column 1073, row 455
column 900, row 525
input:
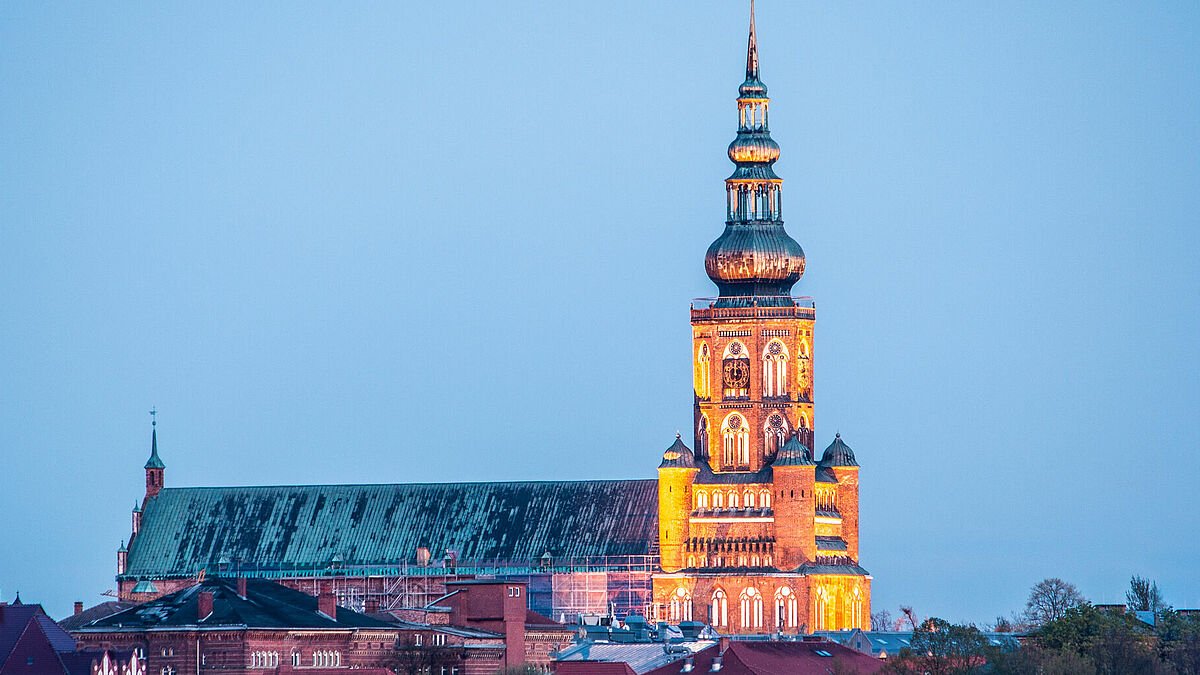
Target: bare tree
column 1050, row 599
column 907, row 617
column 1143, row 596
column 881, row 620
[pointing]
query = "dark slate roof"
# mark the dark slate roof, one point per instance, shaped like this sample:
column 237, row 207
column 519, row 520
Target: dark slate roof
column 824, row 475
column 831, row 544
column 266, row 605
column 92, row 613
column 13, row 620
column 838, row 454
column 187, row 529
column 815, row 568
column 707, row 476
column 678, row 456
column 794, row 453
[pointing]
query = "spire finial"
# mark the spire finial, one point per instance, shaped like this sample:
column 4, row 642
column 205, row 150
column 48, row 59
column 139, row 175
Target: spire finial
column 153, row 416
column 752, row 49
column 154, row 462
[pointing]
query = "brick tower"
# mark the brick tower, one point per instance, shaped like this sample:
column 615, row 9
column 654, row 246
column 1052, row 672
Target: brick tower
column 755, row 534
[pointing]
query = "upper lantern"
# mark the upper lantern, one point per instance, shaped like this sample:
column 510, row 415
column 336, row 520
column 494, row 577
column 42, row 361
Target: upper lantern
column 754, row 261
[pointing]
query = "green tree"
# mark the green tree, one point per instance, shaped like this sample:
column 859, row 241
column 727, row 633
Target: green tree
column 938, row 647
column 1143, row 596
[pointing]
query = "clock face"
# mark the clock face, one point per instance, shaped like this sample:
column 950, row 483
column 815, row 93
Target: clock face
column 737, row 373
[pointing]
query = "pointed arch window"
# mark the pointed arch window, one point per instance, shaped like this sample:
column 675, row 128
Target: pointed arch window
column 775, row 367
column 764, row 499
column 748, row 499
column 735, row 441
column 703, row 371
column 718, row 500
column 702, row 500
column 856, row 610
column 720, row 609
column 681, row 605
column 823, row 609
column 733, row 500
column 775, row 433
column 752, row 608
column 785, row 608
column 735, row 371
column 702, row 437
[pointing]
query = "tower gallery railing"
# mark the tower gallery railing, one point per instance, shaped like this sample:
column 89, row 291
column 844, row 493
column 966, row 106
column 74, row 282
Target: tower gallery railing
column 755, row 307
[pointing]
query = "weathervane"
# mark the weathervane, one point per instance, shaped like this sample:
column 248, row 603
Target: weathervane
column 153, row 419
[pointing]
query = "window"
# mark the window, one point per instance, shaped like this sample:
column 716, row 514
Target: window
column 735, row 441
column 680, row 608
column 774, row 366
column 703, row 369
column 167, row 670
column 748, row 499
column 775, row 433
column 764, row 499
column 514, row 591
column 168, row 651
column 417, row 640
column 735, row 371
column 295, row 658
column 720, row 609
column 785, row 608
column 702, row 437
column 439, row 639
column 752, row 608
column 823, row 610
column 856, row 608
column 718, row 501
column 702, row 500
column 733, row 499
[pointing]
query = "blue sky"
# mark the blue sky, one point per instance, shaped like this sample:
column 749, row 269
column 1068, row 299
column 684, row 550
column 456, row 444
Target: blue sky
column 457, row 241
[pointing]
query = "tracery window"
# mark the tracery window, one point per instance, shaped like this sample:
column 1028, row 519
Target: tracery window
column 764, row 499
column 735, row 371
column 775, row 367
column 735, row 441
column 785, row 608
column 733, row 499
column 857, row 608
column 681, row 605
column 703, row 371
column 774, row 433
column 822, row 608
column 718, row 500
column 748, row 499
column 752, row 608
column 702, row 500
column 720, row 609
column 702, row 437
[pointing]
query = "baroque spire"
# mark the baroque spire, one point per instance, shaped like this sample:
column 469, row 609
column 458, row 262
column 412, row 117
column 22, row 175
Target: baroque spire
column 754, row 261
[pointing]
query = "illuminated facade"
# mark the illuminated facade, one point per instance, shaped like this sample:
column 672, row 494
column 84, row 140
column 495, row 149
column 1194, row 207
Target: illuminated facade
column 755, row 534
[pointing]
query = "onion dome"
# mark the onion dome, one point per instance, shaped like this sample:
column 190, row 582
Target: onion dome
column 154, row 462
column 754, row 261
column 793, row 453
column 678, row 456
column 838, row 454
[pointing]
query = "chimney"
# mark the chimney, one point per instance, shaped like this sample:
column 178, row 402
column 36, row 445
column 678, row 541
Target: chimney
column 689, row 664
column 716, row 664
column 724, row 644
column 204, row 606
column 242, row 587
column 327, row 605
column 78, row 608
column 371, row 605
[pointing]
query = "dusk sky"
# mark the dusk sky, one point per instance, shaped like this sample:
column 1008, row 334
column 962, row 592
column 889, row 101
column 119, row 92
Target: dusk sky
column 446, row 241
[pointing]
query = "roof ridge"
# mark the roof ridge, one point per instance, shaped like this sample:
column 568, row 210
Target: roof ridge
column 427, row 483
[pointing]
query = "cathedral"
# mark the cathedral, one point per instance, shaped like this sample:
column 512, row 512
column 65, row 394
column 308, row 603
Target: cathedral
column 748, row 530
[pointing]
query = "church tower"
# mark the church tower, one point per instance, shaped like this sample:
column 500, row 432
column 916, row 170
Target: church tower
column 755, row 534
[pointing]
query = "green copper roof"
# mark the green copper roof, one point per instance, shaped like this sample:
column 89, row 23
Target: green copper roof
column 186, row 529
column 154, row 462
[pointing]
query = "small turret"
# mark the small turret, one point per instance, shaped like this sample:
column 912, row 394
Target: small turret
column 675, row 476
column 155, row 468
column 839, row 460
column 122, row 558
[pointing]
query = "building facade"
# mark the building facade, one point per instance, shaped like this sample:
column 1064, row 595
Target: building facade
column 750, row 531
column 755, row 534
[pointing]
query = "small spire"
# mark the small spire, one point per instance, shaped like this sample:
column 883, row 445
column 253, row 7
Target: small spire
column 154, row 462
column 752, row 49
column 18, row 600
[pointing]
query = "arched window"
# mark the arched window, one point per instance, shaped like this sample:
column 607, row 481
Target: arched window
column 774, row 433
column 856, row 610
column 720, row 609
column 703, row 370
column 733, row 500
column 748, row 499
column 823, row 609
column 752, row 608
column 764, row 499
column 785, row 608
column 735, row 371
column 702, row 500
column 735, row 441
column 681, row 605
column 718, row 500
column 702, row 437
column 774, row 364
column 295, row 658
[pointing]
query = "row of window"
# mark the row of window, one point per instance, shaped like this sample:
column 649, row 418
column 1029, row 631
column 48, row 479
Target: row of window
column 751, row 613
column 735, row 436
column 736, row 374
column 268, row 659
column 732, row 499
column 742, row 560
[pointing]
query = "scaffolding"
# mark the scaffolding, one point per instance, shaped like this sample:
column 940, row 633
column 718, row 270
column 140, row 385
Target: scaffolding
column 561, row 589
